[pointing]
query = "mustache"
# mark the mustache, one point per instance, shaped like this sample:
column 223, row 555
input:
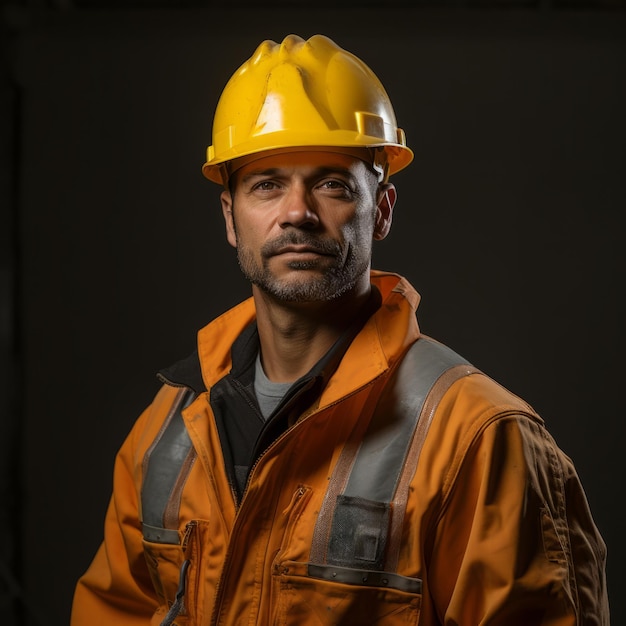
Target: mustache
column 317, row 244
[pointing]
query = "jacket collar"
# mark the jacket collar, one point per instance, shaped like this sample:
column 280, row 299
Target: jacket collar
column 230, row 342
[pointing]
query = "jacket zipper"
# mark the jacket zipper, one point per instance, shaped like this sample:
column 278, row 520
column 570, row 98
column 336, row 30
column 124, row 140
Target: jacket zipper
column 233, row 537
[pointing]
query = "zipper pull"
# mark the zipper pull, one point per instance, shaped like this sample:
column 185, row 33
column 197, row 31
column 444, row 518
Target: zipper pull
column 188, row 531
column 300, row 491
column 175, row 609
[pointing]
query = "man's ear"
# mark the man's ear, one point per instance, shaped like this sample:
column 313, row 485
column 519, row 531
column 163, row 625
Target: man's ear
column 384, row 211
column 227, row 210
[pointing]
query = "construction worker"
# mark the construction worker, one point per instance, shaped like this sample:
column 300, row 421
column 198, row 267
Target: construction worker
column 318, row 460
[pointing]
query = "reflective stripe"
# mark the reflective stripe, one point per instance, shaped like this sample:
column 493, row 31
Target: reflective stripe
column 381, row 455
column 166, row 464
column 353, row 526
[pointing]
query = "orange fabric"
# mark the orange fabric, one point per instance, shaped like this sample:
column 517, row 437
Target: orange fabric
column 497, row 526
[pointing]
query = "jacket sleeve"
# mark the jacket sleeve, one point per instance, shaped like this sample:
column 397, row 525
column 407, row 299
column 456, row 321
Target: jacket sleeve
column 116, row 588
column 515, row 543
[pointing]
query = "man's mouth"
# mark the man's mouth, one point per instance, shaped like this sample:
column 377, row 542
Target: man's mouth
column 300, row 246
column 299, row 249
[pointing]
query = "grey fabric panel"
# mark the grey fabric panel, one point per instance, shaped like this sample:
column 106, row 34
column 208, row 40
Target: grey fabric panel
column 164, row 466
column 381, row 456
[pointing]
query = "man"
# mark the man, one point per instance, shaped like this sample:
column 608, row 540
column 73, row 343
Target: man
column 318, row 461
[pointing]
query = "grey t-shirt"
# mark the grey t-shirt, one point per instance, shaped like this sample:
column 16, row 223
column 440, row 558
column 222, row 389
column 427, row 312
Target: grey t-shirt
column 268, row 394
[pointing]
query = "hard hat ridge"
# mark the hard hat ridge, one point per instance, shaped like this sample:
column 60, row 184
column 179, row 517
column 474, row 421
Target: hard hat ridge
column 300, row 94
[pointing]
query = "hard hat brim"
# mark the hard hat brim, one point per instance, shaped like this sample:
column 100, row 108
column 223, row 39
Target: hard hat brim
column 217, row 169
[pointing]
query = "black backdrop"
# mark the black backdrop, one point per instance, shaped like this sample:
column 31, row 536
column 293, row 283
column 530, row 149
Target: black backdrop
column 509, row 223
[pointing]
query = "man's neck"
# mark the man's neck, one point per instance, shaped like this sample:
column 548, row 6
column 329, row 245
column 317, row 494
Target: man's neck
column 294, row 336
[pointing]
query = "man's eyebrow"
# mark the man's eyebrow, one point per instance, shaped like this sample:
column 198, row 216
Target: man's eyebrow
column 335, row 169
column 315, row 173
column 270, row 171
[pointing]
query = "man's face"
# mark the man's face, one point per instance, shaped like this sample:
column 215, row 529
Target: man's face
column 303, row 223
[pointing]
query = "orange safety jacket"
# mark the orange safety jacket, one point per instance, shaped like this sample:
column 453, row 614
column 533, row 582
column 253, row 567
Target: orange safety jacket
column 408, row 488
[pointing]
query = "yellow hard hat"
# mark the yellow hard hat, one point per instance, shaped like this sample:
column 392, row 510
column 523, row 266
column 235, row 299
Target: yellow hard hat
column 304, row 94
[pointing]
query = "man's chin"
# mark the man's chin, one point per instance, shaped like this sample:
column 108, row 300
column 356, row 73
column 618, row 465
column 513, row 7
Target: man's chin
column 296, row 290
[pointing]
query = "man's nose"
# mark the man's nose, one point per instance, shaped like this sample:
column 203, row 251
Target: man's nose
column 297, row 209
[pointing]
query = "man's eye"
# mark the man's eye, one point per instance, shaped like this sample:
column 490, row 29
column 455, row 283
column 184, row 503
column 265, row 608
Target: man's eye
column 264, row 185
column 334, row 184
column 337, row 188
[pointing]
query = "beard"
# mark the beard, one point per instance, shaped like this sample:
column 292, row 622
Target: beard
column 317, row 283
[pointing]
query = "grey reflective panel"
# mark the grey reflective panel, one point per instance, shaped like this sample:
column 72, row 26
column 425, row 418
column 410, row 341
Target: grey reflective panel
column 361, row 535
column 381, row 456
column 164, row 464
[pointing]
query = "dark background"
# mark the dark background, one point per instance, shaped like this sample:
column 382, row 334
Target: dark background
column 112, row 251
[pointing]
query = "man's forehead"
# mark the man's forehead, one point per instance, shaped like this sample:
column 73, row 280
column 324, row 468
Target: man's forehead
column 304, row 159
